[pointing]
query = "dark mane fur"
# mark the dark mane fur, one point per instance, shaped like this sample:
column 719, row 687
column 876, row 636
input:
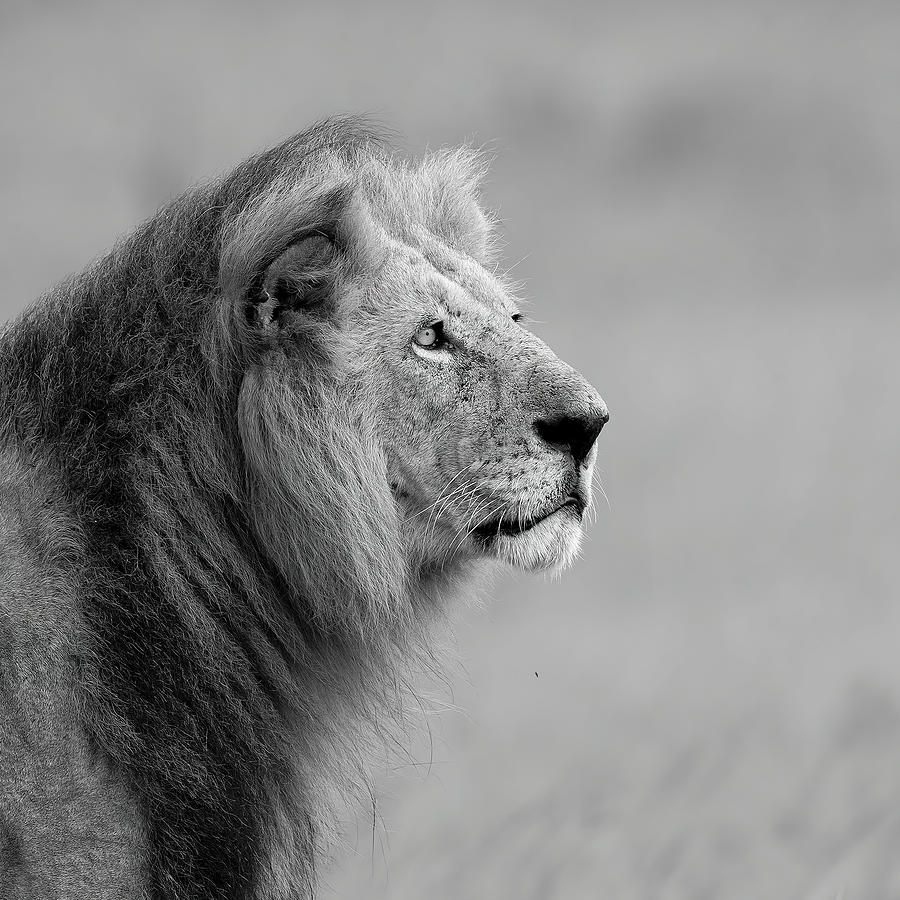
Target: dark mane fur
column 231, row 657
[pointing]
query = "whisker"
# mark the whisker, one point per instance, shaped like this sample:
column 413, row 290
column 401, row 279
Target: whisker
column 441, row 498
column 464, row 529
column 461, row 497
column 463, row 492
column 481, row 521
column 603, row 491
column 441, row 495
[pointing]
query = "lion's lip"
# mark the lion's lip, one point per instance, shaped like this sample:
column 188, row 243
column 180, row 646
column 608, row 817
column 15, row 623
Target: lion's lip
column 511, row 527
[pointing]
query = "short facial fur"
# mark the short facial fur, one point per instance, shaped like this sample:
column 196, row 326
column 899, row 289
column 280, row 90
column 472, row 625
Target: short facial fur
column 246, row 480
column 468, row 462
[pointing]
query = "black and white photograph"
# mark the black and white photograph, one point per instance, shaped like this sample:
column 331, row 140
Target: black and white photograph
column 448, row 450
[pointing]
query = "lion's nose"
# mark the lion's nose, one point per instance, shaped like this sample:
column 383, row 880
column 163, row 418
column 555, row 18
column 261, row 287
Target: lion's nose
column 574, row 430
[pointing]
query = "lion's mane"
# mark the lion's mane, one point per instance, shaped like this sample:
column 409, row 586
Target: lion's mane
column 246, row 605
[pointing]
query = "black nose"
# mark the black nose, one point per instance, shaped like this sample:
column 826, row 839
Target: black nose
column 576, row 431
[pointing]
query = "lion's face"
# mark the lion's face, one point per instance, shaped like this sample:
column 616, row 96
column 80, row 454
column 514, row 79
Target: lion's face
column 486, row 436
column 489, row 436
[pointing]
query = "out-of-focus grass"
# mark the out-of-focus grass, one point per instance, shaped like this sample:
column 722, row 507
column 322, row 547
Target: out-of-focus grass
column 704, row 203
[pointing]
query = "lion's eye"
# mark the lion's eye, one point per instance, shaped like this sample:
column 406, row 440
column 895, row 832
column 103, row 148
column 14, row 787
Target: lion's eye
column 431, row 336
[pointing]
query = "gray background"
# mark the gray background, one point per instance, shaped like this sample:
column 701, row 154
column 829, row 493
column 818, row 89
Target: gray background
column 703, row 200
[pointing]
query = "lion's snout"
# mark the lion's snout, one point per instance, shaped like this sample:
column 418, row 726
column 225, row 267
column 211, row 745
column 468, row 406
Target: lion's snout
column 574, row 430
column 562, row 408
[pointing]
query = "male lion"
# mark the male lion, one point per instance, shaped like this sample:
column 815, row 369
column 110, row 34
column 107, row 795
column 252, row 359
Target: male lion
column 247, row 458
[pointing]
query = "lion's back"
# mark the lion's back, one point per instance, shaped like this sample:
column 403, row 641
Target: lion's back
column 63, row 819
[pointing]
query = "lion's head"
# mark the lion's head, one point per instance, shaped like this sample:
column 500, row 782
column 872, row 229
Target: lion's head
column 489, row 436
column 483, row 437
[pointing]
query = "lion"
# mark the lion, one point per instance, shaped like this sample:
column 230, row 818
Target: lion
column 249, row 459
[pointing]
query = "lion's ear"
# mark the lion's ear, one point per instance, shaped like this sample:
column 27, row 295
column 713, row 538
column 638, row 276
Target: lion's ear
column 299, row 281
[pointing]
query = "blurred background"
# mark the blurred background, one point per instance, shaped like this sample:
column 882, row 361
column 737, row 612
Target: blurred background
column 703, row 200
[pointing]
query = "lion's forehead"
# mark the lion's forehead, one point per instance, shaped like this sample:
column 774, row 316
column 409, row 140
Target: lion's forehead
column 498, row 370
column 477, row 310
column 448, row 275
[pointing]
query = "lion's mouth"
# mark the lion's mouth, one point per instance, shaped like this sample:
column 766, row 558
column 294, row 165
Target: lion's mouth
column 513, row 526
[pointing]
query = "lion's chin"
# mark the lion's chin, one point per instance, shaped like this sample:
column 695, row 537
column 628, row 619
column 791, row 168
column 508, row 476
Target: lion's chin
column 549, row 546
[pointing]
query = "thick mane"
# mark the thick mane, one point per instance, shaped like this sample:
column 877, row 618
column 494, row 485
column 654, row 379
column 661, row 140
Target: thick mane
column 247, row 601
